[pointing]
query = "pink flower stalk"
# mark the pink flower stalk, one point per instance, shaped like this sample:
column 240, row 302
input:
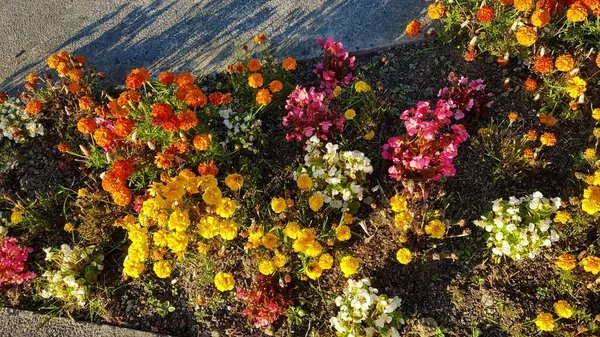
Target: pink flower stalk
column 337, row 67
column 13, row 267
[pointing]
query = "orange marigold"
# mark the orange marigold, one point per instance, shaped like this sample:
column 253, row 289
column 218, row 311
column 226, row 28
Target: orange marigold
column 543, row 64
column 208, row 167
column 183, row 90
column 162, row 111
column 598, row 60
column 187, row 120
column 85, row 103
column 3, row 97
column 32, row 78
column 276, row 86
column 526, row 36
column 136, row 78
column 548, row 139
column 86, row 125
column 470, row 54
column 122, row 168
column 128, row 96
column 523, row 5
column 122, row 196
column 565, row 63
column 63, row 69
column 164, row 160
column 54, row 60
column 289, row 64
column 123, row 127
column 254, row 65
column 506, row 2
column 202, row 142
column 436, row 10
column 111, row 182
column 80, row 60
column 171, row 124
column 226, row 99
column 485, row 14
column 166, row 77
column 74, row 88
column 528, row 153
column 196, row 98
column 532, row 135
column 239, row 67
column 263, row 97
column 34, row 106
column 260, row 38
column 118, row 111
column 577, row 12
column 530, row 84
column 184, row 79
column 547, row 120
column 104, row 136
column 63, row 147
column 216, row 98
column 540, row 17
column 75, row 75
column 101, row 111
column 413, row 28
column 255, row 80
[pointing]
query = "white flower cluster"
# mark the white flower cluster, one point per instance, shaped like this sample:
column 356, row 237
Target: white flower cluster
column 365, row 313
column 242, row 131
column 75, row 269
column 338, row 177
column 520, row 227
column 16, row 122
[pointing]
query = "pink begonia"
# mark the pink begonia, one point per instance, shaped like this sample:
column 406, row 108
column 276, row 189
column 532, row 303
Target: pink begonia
column 13, row 267
column 337, row 67
column 265, row 301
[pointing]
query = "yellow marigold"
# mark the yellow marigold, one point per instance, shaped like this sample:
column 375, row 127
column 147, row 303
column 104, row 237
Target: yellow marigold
column 163, row 160
column 566, row 261
column 562, row 217
column 548, row 139
column 263, row 97
column 577, row 12
column 512, row 116
column 234, row 181
column 523, row 5
column 275, row 86
column 289, row 64
column 540, row 17
column 162, row 269
column 53, row 61
column 279, row 260
column 260, row 38
column 565, row 63
column 596, row 114
column 228, row 230
column 202, row 142
column 62, row 69
column 326, row 261
column 398, row 203
column 436, row 11
column 266, row 267
column 32, row 78
column 589, row 154
column 402, row 219
column 369, row 135
column 598, row 60
column 596, row 132
column 404, row 255
column 563, row 309
column 122, row 196
column 591, row 200
column 591, row 264
column 362, row 86
column 254, row 65
column 347, row 218
column 202, row 248
column 179, row 220
column 545, row 321
column 291, row 230
column 82, row 192
column 576, row 86
column 350, row 114
column 68, row 227
column 349, row 265
column 224, row 281
column 313, row 249
column 132, row 268
column 337, row 91
column 304, row 182
column 278, row 205
column 413, row 28
column 315, row 202
column 343, row 233
column 269, row 241
column 212, row 195
column 436, row 229
column 313, row 270
column 526, row 36
column 255, row 80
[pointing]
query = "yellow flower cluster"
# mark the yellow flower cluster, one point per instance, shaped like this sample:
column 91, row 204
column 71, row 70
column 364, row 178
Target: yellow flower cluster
column 545, row 321
column 163, row 224
column 403, row 216
column 591, row 264
column 224, row 281
column 591, row 195
column 562, row 217
column 566, row 261
column 436, row 229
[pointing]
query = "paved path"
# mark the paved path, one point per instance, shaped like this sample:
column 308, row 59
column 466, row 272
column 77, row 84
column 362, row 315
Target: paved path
column 17, row 323
column 118, row 35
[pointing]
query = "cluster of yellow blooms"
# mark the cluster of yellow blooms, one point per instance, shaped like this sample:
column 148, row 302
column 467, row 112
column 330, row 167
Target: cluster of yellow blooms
column 591, row 264
column 545, row 321
column 166, row 216
column 591, row 195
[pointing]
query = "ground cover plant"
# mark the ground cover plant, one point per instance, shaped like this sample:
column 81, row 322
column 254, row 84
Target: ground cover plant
column 415, row 190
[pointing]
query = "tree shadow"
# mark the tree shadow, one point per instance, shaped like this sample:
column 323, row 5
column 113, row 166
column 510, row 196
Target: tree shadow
column 179, row 36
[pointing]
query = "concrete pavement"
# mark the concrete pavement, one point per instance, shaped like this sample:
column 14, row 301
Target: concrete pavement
column 192, row 35
column 18, row 323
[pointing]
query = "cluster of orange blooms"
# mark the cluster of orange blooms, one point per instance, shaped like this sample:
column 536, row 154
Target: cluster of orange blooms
column 115, row 181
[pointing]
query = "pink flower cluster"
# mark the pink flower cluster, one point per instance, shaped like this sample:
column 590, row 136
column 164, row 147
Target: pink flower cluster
column 464, row 96
column 309, row 114
column 13, row 268
column 337, row 67
column 426, row 152
column 264, row 301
